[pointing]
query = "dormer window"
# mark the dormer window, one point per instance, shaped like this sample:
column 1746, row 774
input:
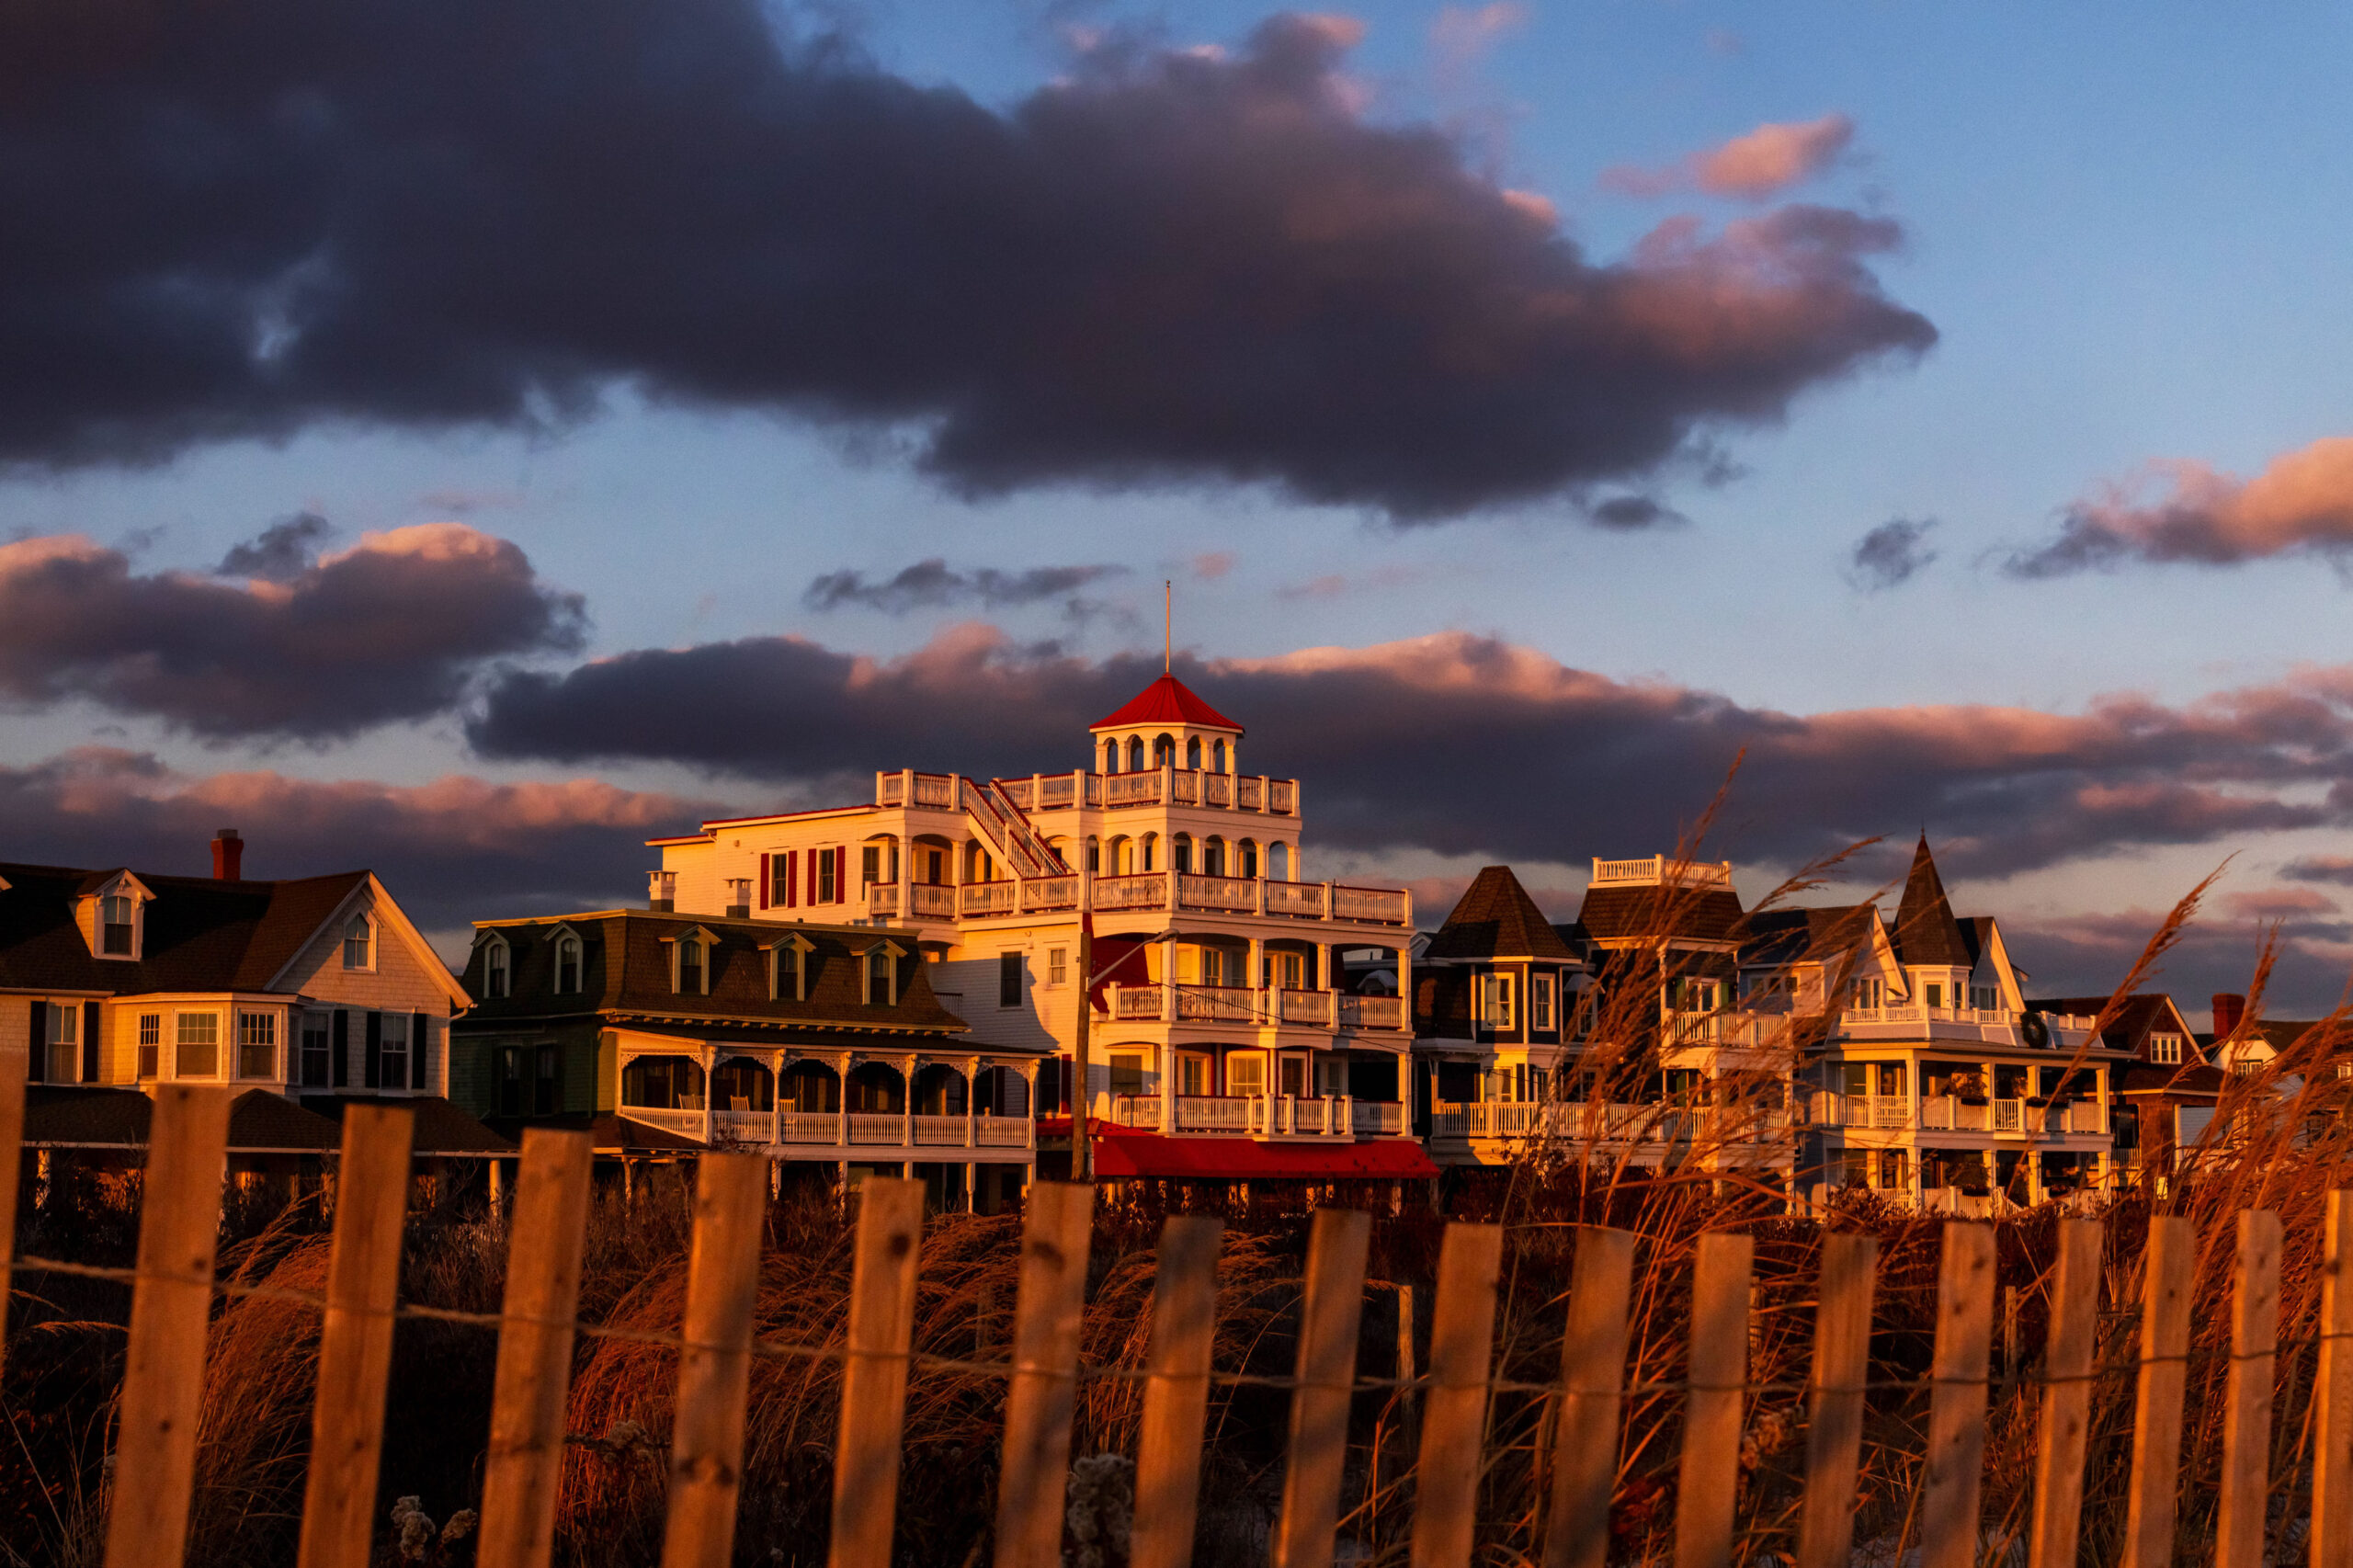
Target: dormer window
column 2164, row 1050
column 497, row 976
column 690, row 961
column 882, row 974
column 117, row 916
column 359, row 943
column 789, row 968
column 567, row 965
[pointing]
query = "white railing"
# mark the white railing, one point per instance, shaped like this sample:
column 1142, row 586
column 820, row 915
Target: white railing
column 1003, row 1131
column 882, row 898
column 1302, row 1007
column 1282, row 797
column 1219, row 1113
column 1131, row 790
column 1217, row 1004
column 1311, row 1115
column 935, row 789
column 939, row 1130
column 1661, row 868
column 935, row 900
column 1386, row 1116
column 743, row 1126
column 1250, row 794
column 1135, row 1110
column 1381, row 906
column 1217, row 788
column 1144, row 890
column 1048, row 893
column 1184, row 787
column 1372, row 1012
column 1232, row 895
column 876, row 1127
column 986, row 898
column 2009, row 1115
column 1133, row 1003
column 685, row 1121
column 1295, row 898
column 1866, row 1110
column 1017, row 791
column 1057, row 789
column 891, row 788
column 812, row 1127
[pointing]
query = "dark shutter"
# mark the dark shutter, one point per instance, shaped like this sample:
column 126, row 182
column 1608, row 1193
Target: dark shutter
column 92, row 1017
column 764, row 882
column 37, row 1062
column 343, row 1048
column 419, row 1026
column 375, row 1050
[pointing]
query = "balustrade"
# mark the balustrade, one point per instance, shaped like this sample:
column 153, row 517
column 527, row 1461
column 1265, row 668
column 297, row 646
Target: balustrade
column 877, row 1127
column 812, row 1127
column 882, row 898
column 986, row 898
column 1232, row 895
column 1217, row 1004
column 1144, row 890
column 1295, row 899
column 1041, row 893
column 1303, row 1006
column 1003, row 1131
column 1385, row 906
column 1372, row 1012
column 939, row 1130
column 936, row 901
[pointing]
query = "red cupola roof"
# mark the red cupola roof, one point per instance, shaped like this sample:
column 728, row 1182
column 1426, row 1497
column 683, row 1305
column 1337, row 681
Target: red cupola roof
column 1167, row 701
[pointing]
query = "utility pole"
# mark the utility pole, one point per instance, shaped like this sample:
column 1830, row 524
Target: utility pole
column 1082, row 1146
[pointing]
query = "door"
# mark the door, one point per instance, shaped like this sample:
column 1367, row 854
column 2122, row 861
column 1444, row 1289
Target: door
column 1292, row 1076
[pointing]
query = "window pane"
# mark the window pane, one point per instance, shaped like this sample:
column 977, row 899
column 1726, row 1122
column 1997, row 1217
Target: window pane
column 198, row 1054
column 256, row 1045
column 318, row 1046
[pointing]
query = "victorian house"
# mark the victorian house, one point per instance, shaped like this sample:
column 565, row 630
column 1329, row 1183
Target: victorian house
column 1156, row 904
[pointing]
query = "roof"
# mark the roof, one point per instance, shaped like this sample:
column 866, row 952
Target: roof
column 1167, row 701
column 438, row 1129
column 2140, row 1078
column 260, row 1121
column 201, row 934
column 614, row 1134
column 1926, row 931
column 2139, row 1015
column 1784, row 937
column 1121, row 1154
column 1661, row 911
column 625, row 961
column 1494, row 918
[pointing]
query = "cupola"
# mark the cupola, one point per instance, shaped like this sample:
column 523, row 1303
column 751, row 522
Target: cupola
column 1166, row 724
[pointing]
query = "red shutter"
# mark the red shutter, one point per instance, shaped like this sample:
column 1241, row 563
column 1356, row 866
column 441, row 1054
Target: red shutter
column 841, row 874
column 813, row 876
column 764, row 882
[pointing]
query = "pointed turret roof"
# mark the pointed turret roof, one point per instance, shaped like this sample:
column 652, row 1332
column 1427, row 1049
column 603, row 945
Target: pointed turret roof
column 1494, row 918
column 1167, row 701
column 1926, row 931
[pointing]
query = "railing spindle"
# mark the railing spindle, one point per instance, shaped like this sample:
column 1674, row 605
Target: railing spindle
column 525, row 1462
column 356, row 1337
column 1454, row 1413
column 1841, row 1352
column 1176, row 1393
column 171, row 1306
column 715, row 1363
column 2246, row 1414
column 1592, row 1400
column 1710, row 1474
column 1957, row 1408
column 1048, row 1314
column 1324, row 1384
column 2066, row 1396
column 2168, row 1261
column 2333, row 1394
column 874, row 1373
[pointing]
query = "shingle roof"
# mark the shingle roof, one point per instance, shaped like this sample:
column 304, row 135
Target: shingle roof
column 260, row 1121
column 201, row 934
column 1700, row 915
column 1167, row 701
column 1494, row 918
column 439, row 1127
column 1926, row 931
column 2139, row 1015
column 1801, row 936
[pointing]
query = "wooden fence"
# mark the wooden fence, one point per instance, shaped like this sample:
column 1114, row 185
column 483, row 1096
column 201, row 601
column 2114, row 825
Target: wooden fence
column 173, row 1289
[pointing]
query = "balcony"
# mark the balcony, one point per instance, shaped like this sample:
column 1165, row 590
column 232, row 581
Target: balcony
column 829, row 1129
column 1983, row 1026
column 1059, row 791
column 1189, row 892
column 1273, row 1005
column 1948, row 1113
column 1260, row 1115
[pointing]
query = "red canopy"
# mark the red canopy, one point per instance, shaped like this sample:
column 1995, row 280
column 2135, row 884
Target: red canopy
column 1118, row 1154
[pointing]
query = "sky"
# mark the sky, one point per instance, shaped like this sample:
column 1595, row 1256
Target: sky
column 469, row 450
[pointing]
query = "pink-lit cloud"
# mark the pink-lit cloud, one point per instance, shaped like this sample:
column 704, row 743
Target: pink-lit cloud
column 1762, row 163
column 2278, row 904
column 2182, row 510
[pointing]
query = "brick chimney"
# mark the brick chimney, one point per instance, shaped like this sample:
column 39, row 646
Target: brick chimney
column 2230, row 1011
column 228, row 855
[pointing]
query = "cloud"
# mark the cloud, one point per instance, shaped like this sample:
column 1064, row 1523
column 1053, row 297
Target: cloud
column 1464, row 745
column 1341, row 584
column 2336, row 869
column 1631, row 512
column 1169, row 267
column 1762, row 163
column 1463, row 34
column 2278, row 904
column 1209, row 566
column 929, row 584
column 1890, row 554
column 395, row 628
column 2303, row 503
column 281, row 553
column 2085, row 955
column 456, row 849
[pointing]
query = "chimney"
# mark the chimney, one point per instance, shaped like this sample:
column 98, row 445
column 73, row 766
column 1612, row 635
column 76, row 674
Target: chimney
column 2230, row 1011
column 228, row 855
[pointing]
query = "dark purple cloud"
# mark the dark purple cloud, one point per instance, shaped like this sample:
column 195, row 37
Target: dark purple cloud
column 1890, row 554
column 395, row 628
column 934, row 585
column 1168, row 267
column 2336, row 869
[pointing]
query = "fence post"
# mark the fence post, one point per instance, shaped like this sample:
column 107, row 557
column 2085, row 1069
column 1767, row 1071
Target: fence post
column 1323, row 1380
column 2066, row 1395
column 1709, row 1479
column 1593, row 1375
column 1454, row 1417
column 2246, row 1416
column 1176, row 1393
column 356, row 1337
column 2333, row 1394
column 874, row 1373
column 1842, row 1349
column 715, row 1361
column 526, row 1458
column 171, row 1306
column 11, row 1140
column 1048, row 1314
column 2167, row 1262
column 1957, row 1408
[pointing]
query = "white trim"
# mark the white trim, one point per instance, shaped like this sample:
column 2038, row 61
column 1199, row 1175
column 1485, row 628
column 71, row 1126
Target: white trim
column 383, row 905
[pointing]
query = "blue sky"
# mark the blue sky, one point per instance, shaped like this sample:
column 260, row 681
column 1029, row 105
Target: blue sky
column 2118, row 220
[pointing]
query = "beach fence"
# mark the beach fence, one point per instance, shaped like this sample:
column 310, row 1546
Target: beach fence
column 173, row 1289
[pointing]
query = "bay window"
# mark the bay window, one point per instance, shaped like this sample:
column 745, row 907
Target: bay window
column 196, row 1046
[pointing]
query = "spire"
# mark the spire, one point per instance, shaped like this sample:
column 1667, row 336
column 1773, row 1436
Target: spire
column 1926, row 931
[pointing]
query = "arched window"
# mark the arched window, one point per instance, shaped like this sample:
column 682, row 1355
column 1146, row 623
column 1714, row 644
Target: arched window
column 1278, row 866
column 567, row 964
column 495, row 981
column 1193, row 754
column 1111, row 757
column 359, row 944
column 1213, row 856
column 1246, row 858
column 1163, row 751
column 1135, row 754
column 1095, row 856
column 1217, row 756
column 1181, row 850
column 1148, row 842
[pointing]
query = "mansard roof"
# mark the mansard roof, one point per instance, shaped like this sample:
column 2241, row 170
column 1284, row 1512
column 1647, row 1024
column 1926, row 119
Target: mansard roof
column 1167, row 701
column 1494, row 918
column 1814, row 934
column 1926, row 931
column 1665, row 911
column 201, row 934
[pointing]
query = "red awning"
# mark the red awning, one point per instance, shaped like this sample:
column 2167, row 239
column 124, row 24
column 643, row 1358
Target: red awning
column 1118, row 1154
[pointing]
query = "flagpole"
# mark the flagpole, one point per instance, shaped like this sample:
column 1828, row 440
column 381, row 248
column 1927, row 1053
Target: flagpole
column 1082, row 1146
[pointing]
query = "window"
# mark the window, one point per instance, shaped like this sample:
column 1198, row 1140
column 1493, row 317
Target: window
column 151, row 1045
column 1182, row 852
column 359, row 944
column 1127, row 1074
column 780, row 867
column 790, row 973
column 567, row 965
column 1986, row 998
column 1246, row 858
column 1935, row 994
column 1539, row 1001
column 1192, row 1074
column 869, row 864
column 1193, row 753
column 318, row 1050
column 256, row 1045
column 545, row 1084
column 1093, row 856
column 1537, row 1077
column 2164, row 1050
column 115, row 914
column 391, row 1051
column 1009, row 980
column 1149, row 843
column 493, row 969
column 1135, row 754
column 1057, row 966
column 829, row 866
column 510, row 1080
column 1245, row 1074
column 882, row 979
column 64, row 1036
column 1891, row 1176
column 197, row 1049
column 1496, row 1009
column 688, row 976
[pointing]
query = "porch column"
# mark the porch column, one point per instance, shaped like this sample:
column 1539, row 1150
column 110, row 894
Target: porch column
column 1030, row 1078
column 710, row 1060
column 1167, row 975
column 907, row 1100
column 1257, row 978
column 776, row 1070
column 971, row 1184
column 906, row 853
column 842, row 1063
column 1405, row 988
column 972, row 1101
column 1167, row 1089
